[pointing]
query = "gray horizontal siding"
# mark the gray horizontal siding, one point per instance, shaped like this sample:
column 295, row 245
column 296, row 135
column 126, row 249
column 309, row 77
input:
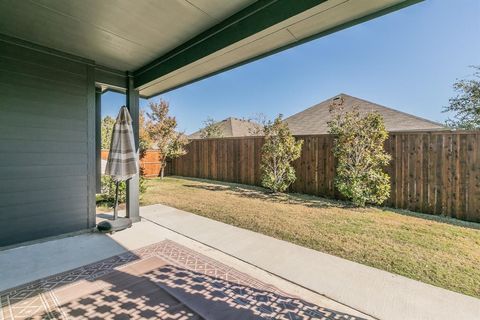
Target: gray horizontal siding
column 38, row 196
column 41, row 134
column 46, row 226
column 39, row 84
column 44, row 143
column 13, row 65
column 27, row 146
column 49, row 183
column 29, row 102
column 44, row 210
column 36, row 171
column 10, row 50
column 41, row 159
column 40, row 120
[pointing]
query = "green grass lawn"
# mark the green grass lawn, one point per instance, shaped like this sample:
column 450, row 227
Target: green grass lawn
column 440, row 251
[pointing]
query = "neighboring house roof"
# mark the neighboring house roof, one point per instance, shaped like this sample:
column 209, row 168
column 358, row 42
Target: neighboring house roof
column 314, row 120
column 233, row 127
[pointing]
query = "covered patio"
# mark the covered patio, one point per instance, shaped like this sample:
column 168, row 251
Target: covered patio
column 57, row 58
column 156, row 273
column 175, row 264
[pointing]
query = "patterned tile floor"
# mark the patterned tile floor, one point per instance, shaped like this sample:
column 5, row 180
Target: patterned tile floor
column 161, row 281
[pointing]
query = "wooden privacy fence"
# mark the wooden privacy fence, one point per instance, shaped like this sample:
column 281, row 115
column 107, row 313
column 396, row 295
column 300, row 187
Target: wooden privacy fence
column 434, row 172
column 150, row 163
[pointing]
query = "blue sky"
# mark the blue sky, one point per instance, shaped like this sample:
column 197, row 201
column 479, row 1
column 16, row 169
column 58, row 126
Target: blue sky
column 407, row 60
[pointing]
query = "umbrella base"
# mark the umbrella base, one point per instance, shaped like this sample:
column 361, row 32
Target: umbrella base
column 114, row 225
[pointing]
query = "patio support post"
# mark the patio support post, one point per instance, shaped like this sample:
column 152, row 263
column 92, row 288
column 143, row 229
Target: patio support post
column 133, row 184
column 98, row 139
column 90, row 95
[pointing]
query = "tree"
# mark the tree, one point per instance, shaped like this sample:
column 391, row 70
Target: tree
column 358, row 147
column 466, row 104
column 278, row 152
column 162, row 131
column 260, row 120
column 145, row 141
column 107, row 128
column 144, row 138
column 211, row 129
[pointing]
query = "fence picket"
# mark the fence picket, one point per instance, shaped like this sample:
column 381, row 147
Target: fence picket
column 435, row 172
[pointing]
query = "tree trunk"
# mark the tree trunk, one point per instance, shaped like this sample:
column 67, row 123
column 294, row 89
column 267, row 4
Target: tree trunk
column 164, row 164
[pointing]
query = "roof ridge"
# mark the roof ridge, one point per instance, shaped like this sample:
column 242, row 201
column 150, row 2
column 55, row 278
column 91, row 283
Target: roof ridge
column 315, row 105
column 395, row 110
column 320, row 105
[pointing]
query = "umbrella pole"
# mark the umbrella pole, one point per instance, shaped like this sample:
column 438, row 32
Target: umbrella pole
column 115, row 209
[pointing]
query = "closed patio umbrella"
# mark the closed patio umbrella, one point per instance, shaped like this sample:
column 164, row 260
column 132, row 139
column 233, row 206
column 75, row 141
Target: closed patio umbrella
column 122, row 163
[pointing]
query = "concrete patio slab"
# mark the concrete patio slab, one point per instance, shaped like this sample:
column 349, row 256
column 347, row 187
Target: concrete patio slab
column 369, row 290
column 27, row 263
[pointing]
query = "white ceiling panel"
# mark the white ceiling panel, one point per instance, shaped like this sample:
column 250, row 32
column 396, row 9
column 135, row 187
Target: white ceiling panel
column 227, row 57
column 126, row 35
column 334, row 15
column 219, row 9
column 120, row 34
column 318, row 19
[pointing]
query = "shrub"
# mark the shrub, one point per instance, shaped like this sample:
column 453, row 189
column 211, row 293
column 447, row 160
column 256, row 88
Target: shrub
column 279, row 150
column 161, row 128
column 358, row 148
column 108, row 190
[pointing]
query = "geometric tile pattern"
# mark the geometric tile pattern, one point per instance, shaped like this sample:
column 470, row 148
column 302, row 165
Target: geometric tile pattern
column 128, row 298
column 26, row 301
column 161, row 281
column 203, row 293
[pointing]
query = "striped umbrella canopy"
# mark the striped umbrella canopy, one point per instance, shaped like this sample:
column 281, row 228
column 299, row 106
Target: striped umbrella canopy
column 122, row 158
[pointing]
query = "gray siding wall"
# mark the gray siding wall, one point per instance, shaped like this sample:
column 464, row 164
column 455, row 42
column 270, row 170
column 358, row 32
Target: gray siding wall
column 46, row 150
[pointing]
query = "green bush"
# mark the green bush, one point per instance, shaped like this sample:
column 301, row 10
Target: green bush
column 361, row 157
column 278, row 152
column 108, row 190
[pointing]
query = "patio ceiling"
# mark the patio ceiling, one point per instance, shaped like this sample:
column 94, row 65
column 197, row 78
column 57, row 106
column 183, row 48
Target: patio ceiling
column 170, row 43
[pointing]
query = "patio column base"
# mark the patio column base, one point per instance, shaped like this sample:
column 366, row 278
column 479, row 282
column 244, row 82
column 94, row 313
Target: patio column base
column 114, row 225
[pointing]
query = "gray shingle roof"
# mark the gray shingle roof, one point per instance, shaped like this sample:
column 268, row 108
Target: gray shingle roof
column 314, row 119
column 233, row 127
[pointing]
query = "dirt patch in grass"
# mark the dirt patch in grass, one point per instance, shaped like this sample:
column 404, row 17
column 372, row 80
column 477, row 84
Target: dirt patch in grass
column 439, row 251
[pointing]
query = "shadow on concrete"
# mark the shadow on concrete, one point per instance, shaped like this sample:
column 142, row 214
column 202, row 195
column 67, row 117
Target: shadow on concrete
column 172, row 292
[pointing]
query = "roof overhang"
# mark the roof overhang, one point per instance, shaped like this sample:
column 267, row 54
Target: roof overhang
column 264, row 28
column 167, row 44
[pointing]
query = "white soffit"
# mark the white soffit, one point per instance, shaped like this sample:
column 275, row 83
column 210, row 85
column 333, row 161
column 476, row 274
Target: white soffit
column 323, row 17
column 120, row 34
